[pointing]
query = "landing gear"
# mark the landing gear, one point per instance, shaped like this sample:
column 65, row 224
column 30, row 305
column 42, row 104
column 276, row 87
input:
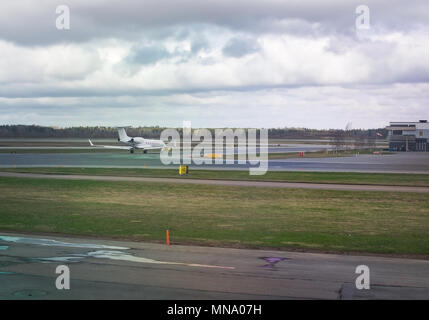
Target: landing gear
column 144, row 151
column 131, row 150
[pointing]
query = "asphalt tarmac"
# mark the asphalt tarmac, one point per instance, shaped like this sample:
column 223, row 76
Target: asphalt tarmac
column 106, row 269
column 412, row 162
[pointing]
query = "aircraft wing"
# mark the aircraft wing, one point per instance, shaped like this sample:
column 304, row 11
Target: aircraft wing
column 109, row 147
column 143, row 147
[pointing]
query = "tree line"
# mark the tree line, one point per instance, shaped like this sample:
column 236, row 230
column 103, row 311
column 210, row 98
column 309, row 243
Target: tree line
column 35, row 131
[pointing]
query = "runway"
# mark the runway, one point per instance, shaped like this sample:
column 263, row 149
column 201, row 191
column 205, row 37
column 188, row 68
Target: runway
column 107, row 269
column 236, row 183
column 400, row 162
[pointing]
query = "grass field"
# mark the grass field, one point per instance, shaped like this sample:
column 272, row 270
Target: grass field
column 400, row 179
column 340, row 221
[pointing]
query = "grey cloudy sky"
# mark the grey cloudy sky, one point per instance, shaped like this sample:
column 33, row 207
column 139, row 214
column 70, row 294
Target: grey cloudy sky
column 271, row 63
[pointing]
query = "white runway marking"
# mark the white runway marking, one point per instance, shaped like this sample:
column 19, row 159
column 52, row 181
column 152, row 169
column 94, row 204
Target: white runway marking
column 113, row 255
column 117, row 255
column 121, row 256
column 47, row 242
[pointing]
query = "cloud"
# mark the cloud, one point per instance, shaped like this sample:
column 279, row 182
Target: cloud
column 122, row 67
column 314, row 107
column 142, row 56
column 147, row 54
column 31, row 22
column 239, row 47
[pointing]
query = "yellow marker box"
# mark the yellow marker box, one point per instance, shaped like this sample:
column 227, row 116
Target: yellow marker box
column 183, row 170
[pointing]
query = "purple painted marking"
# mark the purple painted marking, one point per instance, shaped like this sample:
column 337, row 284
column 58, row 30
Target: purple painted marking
column 272, row 261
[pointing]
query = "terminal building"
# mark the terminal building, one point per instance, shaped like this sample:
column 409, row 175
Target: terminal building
column 409, row 136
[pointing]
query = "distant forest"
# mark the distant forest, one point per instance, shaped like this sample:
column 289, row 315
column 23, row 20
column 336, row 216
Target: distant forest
column 33, row 131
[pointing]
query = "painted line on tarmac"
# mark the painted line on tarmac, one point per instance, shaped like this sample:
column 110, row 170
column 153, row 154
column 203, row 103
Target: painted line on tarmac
column 100, row 254
column 55, row 243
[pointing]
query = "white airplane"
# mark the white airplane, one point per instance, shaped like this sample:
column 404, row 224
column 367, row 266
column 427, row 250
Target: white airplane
column 134, row 143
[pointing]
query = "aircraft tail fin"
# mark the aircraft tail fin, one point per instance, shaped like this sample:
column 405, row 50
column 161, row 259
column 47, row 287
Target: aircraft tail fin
column 123, row 135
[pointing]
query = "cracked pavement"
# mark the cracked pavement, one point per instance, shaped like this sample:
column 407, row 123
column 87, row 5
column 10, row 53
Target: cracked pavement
column 107, row 269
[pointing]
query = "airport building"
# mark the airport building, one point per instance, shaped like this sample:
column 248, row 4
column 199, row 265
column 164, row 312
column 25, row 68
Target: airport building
column 409, row 136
